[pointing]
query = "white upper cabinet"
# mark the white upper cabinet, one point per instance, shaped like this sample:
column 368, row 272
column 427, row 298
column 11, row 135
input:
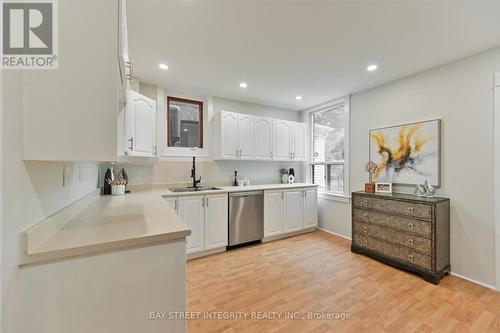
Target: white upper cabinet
column 71, row 113
column 229, row 134
column 263, row 138
column 298, row 141
column 282, row 140
column 216, row 215
column 241, row 136
column 245, row 137
column 141, row 125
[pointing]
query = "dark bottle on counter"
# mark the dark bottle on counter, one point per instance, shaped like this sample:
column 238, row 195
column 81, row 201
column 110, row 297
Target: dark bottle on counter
column 108, row 177
column 235, row 182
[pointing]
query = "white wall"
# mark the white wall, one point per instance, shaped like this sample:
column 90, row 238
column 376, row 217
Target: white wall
column 460, row 93
column 31, row 191
column 178, row 170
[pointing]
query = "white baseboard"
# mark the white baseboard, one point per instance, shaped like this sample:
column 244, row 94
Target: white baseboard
column 334, row 233
column 473, row 281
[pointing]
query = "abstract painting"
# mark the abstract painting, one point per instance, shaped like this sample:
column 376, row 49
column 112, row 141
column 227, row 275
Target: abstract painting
column 407, row 154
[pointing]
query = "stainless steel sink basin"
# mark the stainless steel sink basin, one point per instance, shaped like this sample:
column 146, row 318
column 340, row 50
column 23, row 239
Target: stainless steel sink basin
column 193, row 189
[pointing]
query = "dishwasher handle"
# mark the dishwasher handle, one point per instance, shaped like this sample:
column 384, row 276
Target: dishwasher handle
column 246, row 194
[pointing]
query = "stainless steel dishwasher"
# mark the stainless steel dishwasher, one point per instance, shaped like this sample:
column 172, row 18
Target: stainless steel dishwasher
column 246, row 217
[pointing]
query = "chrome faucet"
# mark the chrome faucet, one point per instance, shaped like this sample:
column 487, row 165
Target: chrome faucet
column 193, row 174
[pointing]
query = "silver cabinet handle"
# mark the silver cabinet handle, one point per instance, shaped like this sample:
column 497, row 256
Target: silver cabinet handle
column 155, row 150
column 365, row 229
column 411, row 226
column 175, row 204
column 365, row 243
column 410, row 257
column 410, row 210
column 365, row 216
column 282, row 195
column 129, row 64
column 131, row 140
column 365, row 202
column 206, row 202
column 410, row 242
column 271, row 154
column 305, row 193
column 293, row 155
column 203, row 202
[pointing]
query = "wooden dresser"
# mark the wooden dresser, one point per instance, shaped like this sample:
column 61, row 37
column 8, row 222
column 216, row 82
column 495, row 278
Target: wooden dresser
column 404, row 231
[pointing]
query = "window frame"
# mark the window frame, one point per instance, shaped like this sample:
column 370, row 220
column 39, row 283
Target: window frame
column 186, row 101
column 166, row 153
column 345, row 196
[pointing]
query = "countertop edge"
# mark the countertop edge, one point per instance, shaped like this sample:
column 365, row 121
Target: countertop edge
column 98, row 248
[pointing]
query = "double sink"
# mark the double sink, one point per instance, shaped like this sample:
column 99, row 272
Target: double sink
column 194, row 189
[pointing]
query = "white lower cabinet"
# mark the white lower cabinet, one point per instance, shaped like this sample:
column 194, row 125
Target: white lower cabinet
column 310, row 208
column 293, row 210
column 216, row 221
column 206, row 216
column 287, row 211
column 273, row 213
column 191, row 211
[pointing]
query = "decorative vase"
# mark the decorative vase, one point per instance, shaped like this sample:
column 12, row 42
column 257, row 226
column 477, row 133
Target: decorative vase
column 284, row 178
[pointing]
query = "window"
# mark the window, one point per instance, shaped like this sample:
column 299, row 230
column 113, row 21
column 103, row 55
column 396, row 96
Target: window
column 328, row 161
column 185, row 123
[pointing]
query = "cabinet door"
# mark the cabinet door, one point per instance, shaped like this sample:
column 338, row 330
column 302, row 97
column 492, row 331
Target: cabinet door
column 263, row 141
column 229, row 134
column 190, row 209
column 273, row 213
column 172, row 202
column 216, row 221
column 245, row 137
column 141, row 125
column 293, row 210
column 282, row 140
column 310, row 208
column 299, row 141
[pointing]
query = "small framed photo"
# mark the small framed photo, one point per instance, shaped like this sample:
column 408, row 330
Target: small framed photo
column 383, row 187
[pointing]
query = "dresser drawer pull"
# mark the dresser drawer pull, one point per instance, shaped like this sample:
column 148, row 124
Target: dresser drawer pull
column 410, row 210
column 365, row 202
column 365, row 243
column 410, row 257
column 365, row 229
column 411, row 226
column 365, row 216
column 410, row 242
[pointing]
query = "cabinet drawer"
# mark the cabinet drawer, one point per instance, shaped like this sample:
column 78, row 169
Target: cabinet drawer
column 393, row 251
column 415, row 242
column 402, row 223
column 413, row 209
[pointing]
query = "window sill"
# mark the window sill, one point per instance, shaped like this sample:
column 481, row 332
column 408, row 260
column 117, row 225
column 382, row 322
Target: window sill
column 334, row 196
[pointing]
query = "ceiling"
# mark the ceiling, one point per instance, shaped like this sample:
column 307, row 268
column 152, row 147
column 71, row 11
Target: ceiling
column 316, row 49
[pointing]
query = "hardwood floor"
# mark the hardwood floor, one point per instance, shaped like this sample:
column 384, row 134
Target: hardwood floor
column 316, row 272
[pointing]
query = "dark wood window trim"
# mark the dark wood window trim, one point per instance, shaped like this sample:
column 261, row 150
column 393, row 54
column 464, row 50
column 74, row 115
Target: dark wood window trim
column 189, row 101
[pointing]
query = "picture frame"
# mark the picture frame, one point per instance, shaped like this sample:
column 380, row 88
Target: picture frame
column 421, row 163
column 383, row 187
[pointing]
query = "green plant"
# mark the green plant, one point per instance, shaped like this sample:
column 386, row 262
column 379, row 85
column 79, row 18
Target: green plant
column 284, row 171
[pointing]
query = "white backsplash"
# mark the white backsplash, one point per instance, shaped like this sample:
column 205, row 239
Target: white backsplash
column 211, row 172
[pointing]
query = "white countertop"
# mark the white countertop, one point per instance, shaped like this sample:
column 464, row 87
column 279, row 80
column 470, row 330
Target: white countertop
column 103, row 223
column 228, row 189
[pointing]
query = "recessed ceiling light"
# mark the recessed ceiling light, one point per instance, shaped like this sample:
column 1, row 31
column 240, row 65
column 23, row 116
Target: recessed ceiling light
column 298, row 97
column 163, row 67
column 371, row 68
column 243, row 85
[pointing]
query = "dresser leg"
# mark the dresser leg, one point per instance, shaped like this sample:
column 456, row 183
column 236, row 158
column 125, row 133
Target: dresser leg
column 431, row 278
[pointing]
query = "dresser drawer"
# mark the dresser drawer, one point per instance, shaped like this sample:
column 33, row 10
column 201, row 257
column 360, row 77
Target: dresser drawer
column 362, row 201
column 413, row 209
column 402, row 223
column 414, row 242
column 393, row 251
